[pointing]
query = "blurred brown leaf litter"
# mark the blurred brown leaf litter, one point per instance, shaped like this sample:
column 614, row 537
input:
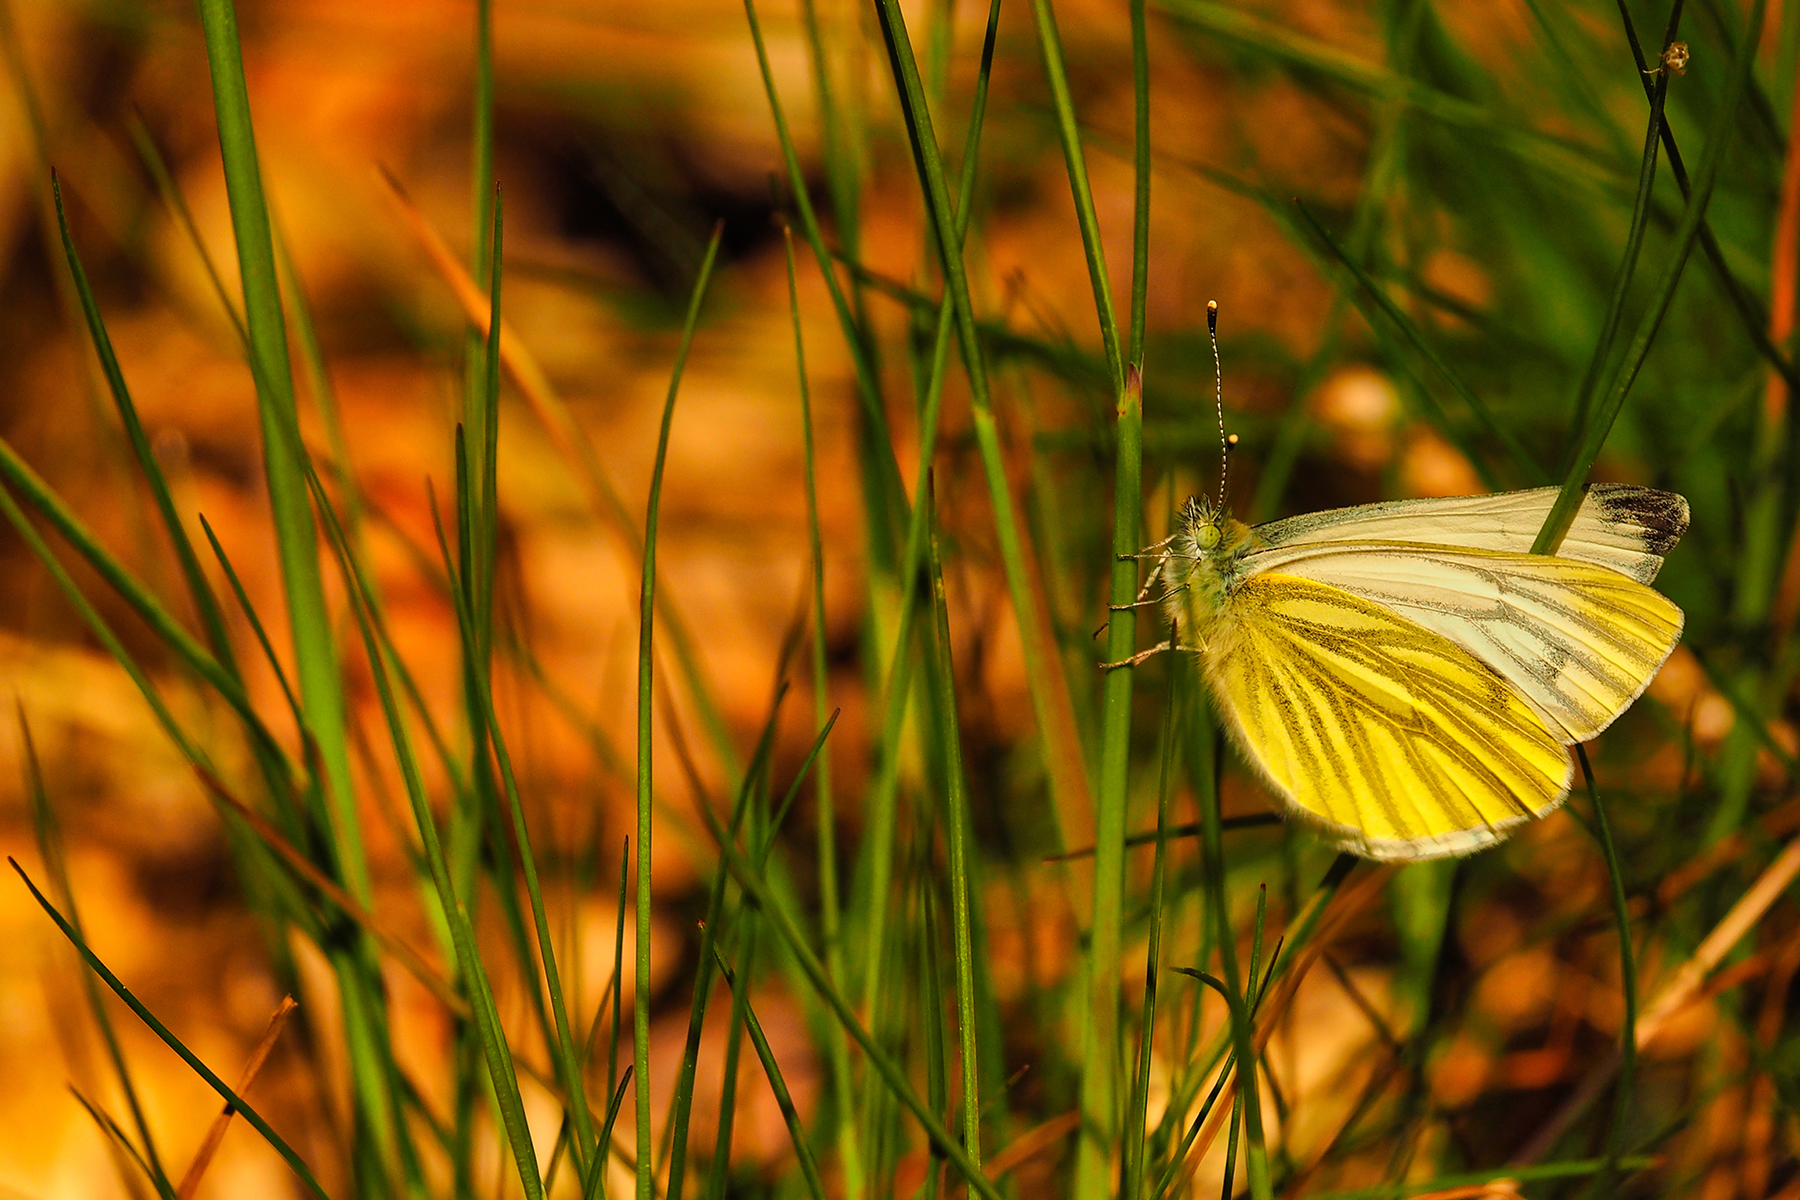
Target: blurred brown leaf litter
column 623, row 133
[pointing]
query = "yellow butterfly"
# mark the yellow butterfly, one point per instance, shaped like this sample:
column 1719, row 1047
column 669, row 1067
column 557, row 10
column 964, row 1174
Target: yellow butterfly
column 1407, row 676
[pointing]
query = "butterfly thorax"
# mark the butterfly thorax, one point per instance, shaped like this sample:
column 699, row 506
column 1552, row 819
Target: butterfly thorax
column 1201, row 566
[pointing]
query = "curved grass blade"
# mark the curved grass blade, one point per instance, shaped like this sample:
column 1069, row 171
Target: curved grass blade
column 1599, row 426
column 891, row 1073
column 646, row 627
column 174, row 1043
column 1411, row 332
column 50, row 848
column 809, row 1163
column 1634, row 242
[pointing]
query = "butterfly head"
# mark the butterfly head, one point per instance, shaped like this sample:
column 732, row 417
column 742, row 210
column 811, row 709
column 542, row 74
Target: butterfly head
column 1201, row 566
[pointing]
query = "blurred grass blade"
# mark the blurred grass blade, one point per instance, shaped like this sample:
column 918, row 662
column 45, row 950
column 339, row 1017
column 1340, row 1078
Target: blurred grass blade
column 1475, row 1183
column 174, row 1043
column 1410, row 330
column 892, row 499
column 646, row 627
column 891, row 1073
column 1256, row 1162
column 682, row 1100
column 474, row 618
column 496, row 1052
column 1600, row 424
column 1099, row 1006
column 1634, row 242
column 215, row 1134
column 50, row 848
column 199, row 590
column 830, row 913
column 1622, row 1096
column 316, row 660
column 957, row 821
column 1137, row 1116
column 809, row 1163
column 118, row 1138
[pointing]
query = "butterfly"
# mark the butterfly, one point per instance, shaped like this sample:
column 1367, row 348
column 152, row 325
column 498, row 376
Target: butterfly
column 1406, row 676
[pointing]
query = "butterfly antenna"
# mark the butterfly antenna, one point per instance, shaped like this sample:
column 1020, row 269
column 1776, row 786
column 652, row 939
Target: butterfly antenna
column 1226, row 443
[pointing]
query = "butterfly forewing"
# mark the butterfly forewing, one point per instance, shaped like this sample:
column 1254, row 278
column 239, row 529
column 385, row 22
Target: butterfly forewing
column 1398, row 741
column 1624, row 528
column 1579, row 642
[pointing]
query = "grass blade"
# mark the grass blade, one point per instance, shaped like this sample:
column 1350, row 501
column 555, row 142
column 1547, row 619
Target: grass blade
column 1593, row 436
column 809, row 1163
column 646, row 628
column 174, row 1043
column 891, row 1073
column 956, row 818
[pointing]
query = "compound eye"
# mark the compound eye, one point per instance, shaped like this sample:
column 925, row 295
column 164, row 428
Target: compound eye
column 1207, row 536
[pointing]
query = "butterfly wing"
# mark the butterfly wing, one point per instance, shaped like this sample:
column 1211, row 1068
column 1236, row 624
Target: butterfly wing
column 1579, row 642
column 1624, row 528
column 1394, row 740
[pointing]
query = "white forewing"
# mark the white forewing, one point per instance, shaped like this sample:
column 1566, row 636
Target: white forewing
column 1578, row 640
column 1623, row 528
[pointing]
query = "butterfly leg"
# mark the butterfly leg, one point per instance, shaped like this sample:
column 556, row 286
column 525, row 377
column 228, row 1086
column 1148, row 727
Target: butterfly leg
column 1137, row 658
column 1152, row 550
column 1143, row 592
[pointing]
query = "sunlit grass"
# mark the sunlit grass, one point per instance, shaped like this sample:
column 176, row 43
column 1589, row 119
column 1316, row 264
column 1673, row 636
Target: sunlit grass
column 1517, row 248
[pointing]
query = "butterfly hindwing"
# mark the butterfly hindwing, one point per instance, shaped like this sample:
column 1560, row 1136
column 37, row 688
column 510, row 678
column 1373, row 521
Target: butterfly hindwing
column 1579, row 642
column 1395, row 740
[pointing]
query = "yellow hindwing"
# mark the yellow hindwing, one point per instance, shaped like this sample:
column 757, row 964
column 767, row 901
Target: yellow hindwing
column 1397, row 741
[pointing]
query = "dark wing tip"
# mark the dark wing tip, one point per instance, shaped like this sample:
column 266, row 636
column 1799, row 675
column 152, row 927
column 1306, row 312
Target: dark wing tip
column 1662, row 516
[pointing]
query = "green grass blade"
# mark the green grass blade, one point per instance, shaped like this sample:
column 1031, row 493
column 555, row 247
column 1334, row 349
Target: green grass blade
column 718, row 1171
column 16, row 473
column 891, row 1073
column 490, row 1033
column 1213, row 868
column 50, row 847
column 618, row 978
column 1593, row 436
column 931, row 1028
column 646, row 628
column 868, row 383
column 830, row 912
column 1622, row 1096
column 1634, row 242
column 897, row 691
column 117, row 1136
column 1099, row 1010
column 474, row 651
column 256, row 626
column 1256, row 1163
column 809, row 1163
column 682, row 1100
column 596, row 1184
column 316, row 660
column 1565, row 160
column 1384, row 305
column 1140, row 207
column 90, row 616
column 956, row 818
column 199, row 590
column 153, row 161
column 1138, row 1114
column 1754, row 320
column 1574, row 1169
column 174, row 1043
